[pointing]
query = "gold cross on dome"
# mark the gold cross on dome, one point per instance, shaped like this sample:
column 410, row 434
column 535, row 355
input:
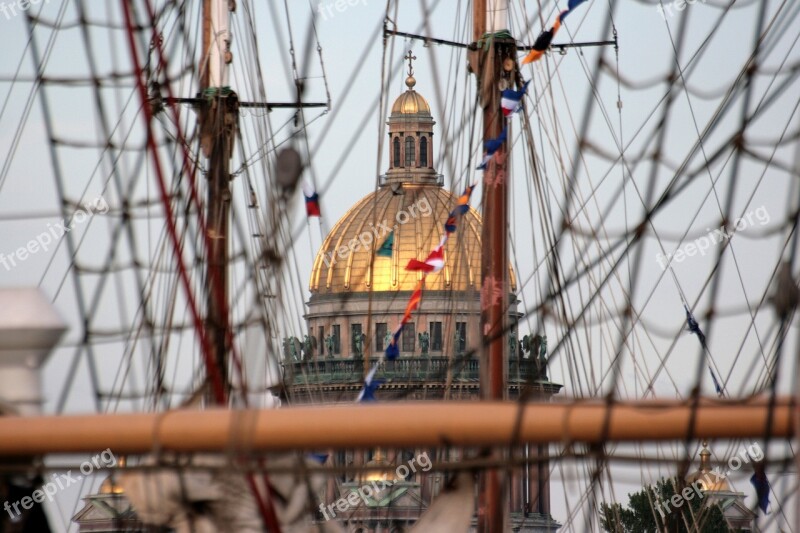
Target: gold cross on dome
column 410, row 58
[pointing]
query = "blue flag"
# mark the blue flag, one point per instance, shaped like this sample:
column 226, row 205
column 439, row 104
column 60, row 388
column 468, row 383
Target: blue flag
column 492, row 146
column 393, row 350
column 371, row 384
column 760, row 482
column 694, row 327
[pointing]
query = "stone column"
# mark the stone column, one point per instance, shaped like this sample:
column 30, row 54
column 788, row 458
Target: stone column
column 533, row 504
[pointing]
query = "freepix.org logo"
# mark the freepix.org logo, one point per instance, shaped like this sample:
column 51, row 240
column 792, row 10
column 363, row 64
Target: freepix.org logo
column 422, row 208
column 326, row 8
column 678, row 5
column 374, row 488
column 702, row 244
column 104, row 459
column 51, row 237
column 11, row 9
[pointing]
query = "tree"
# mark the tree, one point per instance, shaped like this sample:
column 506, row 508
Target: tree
column 646, row 512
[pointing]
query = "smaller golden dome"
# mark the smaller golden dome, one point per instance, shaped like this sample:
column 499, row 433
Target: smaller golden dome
column 110, row 487
column 710, row 483
column 377, row 468
column 411, row 102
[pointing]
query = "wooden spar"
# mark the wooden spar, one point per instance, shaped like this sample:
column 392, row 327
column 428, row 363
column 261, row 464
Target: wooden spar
column 489, row 17
column 399, row 425
column 217, row 125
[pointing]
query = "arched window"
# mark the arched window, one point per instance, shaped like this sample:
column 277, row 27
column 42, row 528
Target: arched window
column 396, row 152
column 409, row 152
column 423, row 152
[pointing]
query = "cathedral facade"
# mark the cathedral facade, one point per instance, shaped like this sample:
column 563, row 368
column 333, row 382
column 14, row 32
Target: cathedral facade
column 359, row 289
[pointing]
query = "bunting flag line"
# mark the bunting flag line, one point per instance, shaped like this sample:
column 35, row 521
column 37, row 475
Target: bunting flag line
column 433, row 263
column 321, row 458
column 312, row 200
column 571, row 5
column 462, row 206
column 413, row 302
column 761, row 484
column 542, row 43
column 386, row 248
column 492, row 146
column 694, row 327
column 393, row 350
column 545, row 39
column 371, row 384
column 717, row 385
column 450, row 223
column 511, row 100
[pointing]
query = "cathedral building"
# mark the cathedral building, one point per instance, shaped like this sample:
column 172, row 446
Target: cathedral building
column 359, row 290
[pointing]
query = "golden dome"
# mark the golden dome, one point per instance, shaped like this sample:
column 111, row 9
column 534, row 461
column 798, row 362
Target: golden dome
column 709, row 483
column 377, row 468
column 110, row 487
column 417, row 216
column 411, row 102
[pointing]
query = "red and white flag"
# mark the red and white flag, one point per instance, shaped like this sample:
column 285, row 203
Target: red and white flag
column 433, row 263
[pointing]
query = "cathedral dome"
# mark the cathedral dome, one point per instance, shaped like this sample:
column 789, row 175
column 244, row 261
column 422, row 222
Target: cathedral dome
column 346, row 262
column 359, row 284
column 709, row 483
column 412, row 203
column 411, row 102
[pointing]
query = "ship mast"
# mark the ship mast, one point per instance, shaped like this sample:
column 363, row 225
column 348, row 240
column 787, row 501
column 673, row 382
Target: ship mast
column 218, row 120
column 492, row 61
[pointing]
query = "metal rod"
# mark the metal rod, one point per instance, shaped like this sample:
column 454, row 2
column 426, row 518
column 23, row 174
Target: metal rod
column 563, row 46
column 261, row 105
column 474, row 45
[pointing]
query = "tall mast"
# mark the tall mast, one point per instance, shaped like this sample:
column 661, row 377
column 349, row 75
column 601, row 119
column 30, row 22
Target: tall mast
column 218, row 116
column 490, row 17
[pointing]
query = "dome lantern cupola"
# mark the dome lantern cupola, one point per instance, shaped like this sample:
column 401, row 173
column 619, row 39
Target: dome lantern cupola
column 411, row 137
column 708, row 483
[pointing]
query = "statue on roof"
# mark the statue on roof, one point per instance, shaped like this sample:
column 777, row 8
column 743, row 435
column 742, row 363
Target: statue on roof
column 541, row 362
column 387, row 339
column 458, row 340
column 424, row 342
column 512, row 344
column 291, row 348
column 536, row 348
column 329, row 344
column 358, row 344
column 309, row 345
